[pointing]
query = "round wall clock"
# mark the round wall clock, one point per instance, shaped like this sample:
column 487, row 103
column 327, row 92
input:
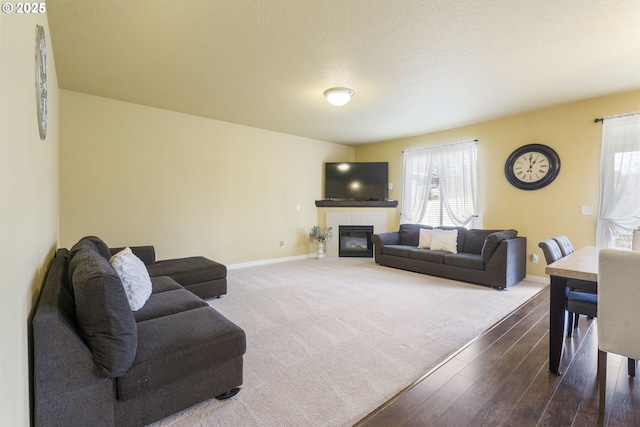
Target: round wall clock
column 532, row 166
column 41, row 80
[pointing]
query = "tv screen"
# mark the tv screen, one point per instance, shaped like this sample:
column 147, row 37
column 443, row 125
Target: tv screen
column 356, row 180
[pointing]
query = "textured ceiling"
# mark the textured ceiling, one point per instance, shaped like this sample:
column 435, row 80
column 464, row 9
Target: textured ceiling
column 416, row 66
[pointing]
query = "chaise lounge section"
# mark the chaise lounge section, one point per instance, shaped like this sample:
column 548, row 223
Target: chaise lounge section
column 200, row 275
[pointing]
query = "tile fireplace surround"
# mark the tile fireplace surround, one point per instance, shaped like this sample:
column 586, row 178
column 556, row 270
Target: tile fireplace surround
column 335, row 219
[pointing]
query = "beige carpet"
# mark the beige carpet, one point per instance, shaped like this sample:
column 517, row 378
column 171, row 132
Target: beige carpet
column 328, row 341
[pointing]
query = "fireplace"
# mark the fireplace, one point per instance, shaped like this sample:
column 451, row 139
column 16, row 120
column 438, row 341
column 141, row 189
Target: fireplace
column 355, row 241
column 357, row 216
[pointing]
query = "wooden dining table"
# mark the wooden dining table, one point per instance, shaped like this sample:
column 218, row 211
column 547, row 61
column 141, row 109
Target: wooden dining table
column 582, row 265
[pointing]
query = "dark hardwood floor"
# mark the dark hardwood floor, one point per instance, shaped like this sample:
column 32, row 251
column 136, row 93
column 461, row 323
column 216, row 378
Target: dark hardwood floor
column 501, row 379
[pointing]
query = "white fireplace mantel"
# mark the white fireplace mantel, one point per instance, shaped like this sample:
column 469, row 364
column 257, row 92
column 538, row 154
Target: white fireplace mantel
column 335, row 219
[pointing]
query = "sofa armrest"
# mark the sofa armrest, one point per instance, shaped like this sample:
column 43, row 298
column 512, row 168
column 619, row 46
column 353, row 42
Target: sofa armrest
column 390, row 238
column 381, row 239
column 68, row 388
column 507, row 265
column 146, row 253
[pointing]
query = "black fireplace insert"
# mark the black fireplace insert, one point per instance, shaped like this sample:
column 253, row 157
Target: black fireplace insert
column 355, row 241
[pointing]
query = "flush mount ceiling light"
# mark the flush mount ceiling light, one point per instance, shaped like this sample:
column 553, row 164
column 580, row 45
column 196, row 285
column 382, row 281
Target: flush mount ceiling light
column 338, row 96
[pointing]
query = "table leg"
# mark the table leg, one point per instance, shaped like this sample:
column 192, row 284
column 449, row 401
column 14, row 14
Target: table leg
column 557, row 308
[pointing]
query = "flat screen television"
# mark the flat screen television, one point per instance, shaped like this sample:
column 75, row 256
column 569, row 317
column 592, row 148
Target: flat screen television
column 356, row 181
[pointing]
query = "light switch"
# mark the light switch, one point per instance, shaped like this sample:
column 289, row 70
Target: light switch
column 587, row 210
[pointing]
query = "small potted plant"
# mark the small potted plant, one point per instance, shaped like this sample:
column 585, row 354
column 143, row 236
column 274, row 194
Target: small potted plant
column 320, row 237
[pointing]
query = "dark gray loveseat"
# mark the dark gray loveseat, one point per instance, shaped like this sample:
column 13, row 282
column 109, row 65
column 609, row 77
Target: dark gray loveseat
column 98, row 363
column 487, row 257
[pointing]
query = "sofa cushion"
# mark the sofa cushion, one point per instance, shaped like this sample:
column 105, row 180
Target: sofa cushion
column 163, row 284
column 174, row 346
column 410, row 233
column 493, row 240
column 169, row 302
column 146, row 253
column 474, row 240
column 445, row 240
column 104, row 316
column 396, row 250
column 187, row 271
column 135, row 277
column 428, row 255
column 465, row 260
column 93, row 243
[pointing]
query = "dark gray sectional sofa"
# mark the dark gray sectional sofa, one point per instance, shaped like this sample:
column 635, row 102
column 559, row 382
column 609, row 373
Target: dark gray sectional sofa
column 494, row 258
column 98, row 363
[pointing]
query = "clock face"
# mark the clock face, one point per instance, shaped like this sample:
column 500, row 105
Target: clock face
column 532, row 166
column 41, row 81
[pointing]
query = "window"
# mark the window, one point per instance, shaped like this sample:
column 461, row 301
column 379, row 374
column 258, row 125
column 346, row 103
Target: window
column 619, row 208
column 440, row 186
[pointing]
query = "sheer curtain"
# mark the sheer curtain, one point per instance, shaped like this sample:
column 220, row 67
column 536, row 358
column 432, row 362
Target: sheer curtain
column 444, row 180
column 619, row 208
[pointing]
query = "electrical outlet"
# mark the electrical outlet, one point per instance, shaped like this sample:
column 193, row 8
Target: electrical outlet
column 282, row 244
column 534, row 259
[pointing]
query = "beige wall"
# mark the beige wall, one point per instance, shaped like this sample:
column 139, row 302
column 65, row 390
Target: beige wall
column 28, row 203
column 188, row 185
column 553, row 210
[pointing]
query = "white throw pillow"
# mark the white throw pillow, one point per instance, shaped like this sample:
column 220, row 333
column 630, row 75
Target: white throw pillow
column 425, row 238
column 445, row 240
column 134, row 276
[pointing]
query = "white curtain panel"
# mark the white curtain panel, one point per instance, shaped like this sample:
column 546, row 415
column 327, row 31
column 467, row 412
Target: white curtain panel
column 456, row 166
column 619, row 208
column 458, row 169
column 417, row 168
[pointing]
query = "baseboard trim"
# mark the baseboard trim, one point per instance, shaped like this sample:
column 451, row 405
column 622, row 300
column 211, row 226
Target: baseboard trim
column 268, row 261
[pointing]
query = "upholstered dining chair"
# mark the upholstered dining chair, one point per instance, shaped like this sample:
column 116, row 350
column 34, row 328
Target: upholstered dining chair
column 577, row 303
column 551, row 250
column 581, row 297
column 618, row 317
column 565, row 245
